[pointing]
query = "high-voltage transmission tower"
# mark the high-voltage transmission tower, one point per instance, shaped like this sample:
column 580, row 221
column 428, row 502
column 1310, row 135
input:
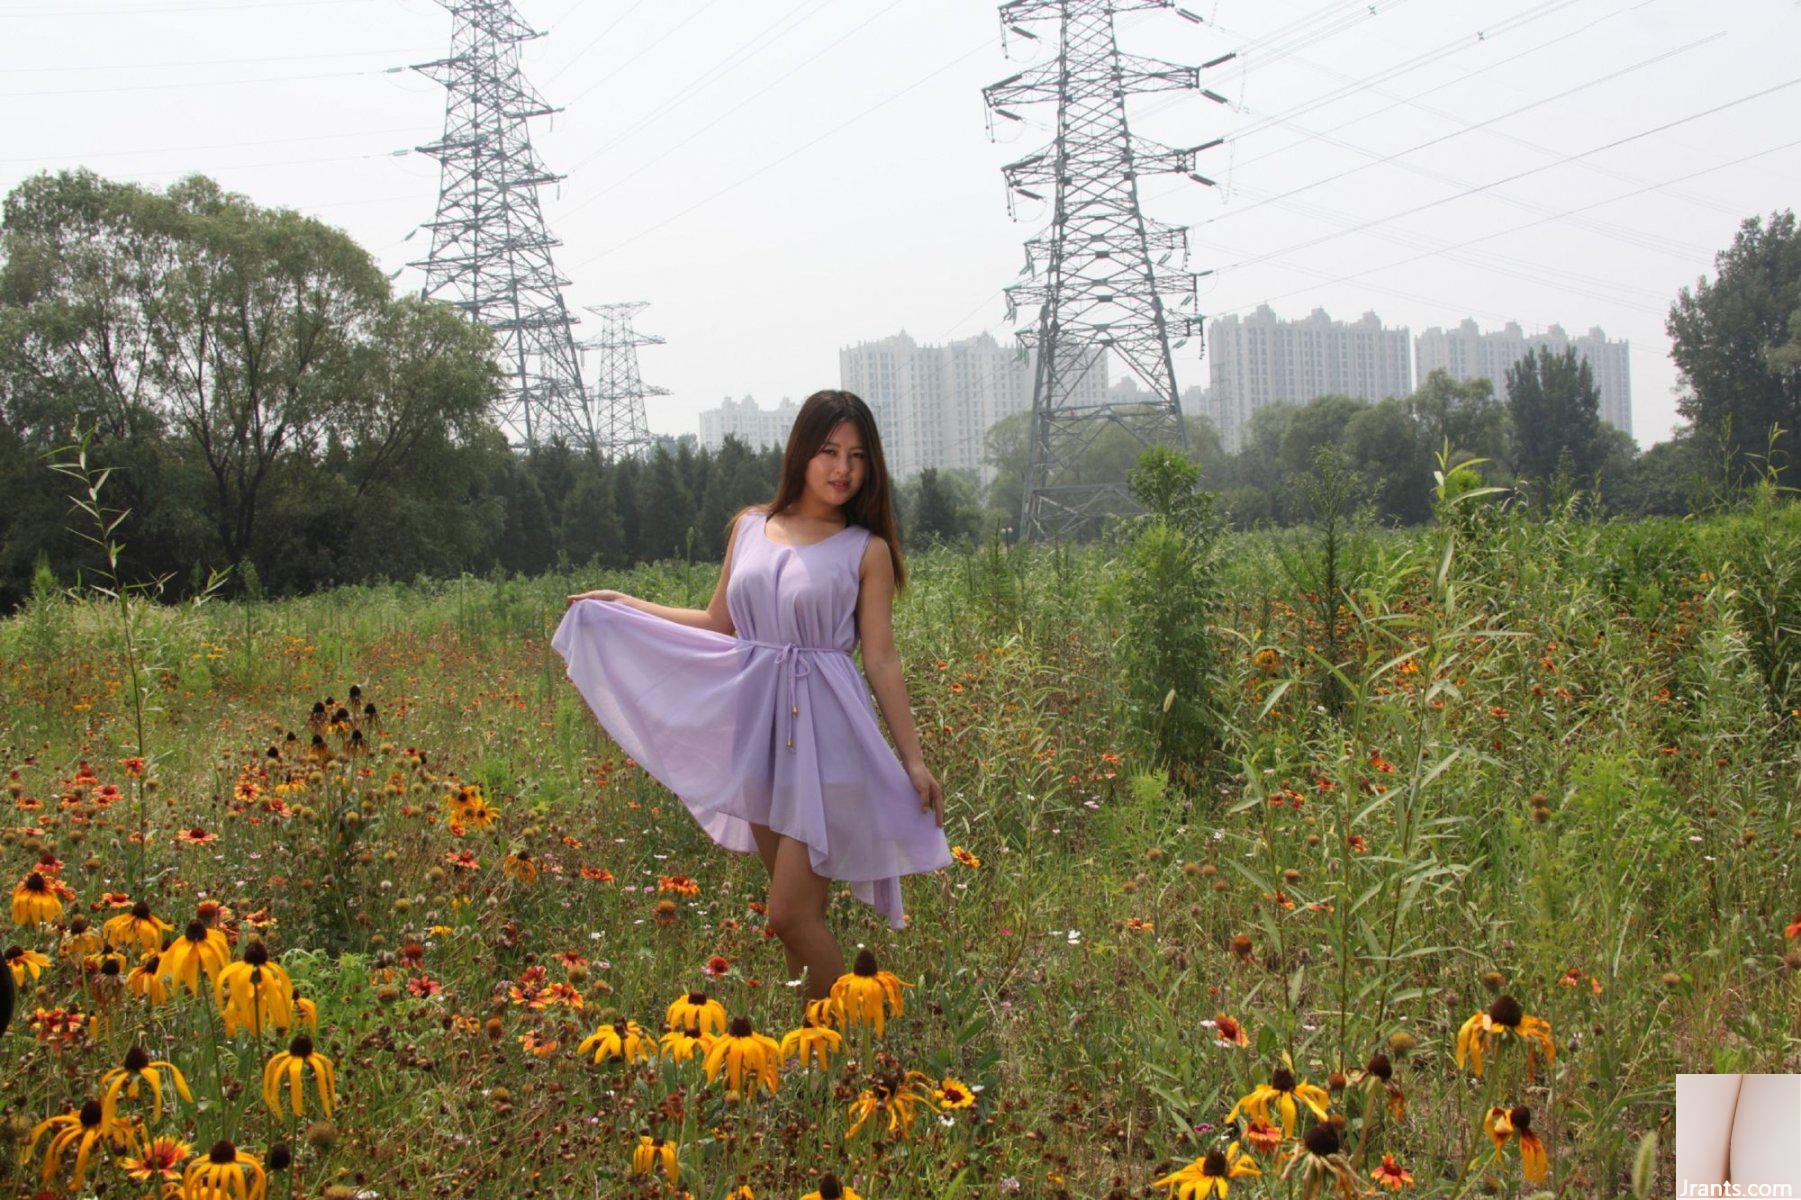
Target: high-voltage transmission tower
column 1096, row 285
column 490, row 252
column 618, row 390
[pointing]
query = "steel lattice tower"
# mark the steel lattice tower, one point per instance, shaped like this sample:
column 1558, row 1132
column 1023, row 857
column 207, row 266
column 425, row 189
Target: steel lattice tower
column 1095, row 277
column 489, row 250
column 618, row 389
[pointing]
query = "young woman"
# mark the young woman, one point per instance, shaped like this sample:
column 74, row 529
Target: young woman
column 752, row 711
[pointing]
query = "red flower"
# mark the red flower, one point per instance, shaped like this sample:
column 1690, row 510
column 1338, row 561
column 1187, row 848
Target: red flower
column 717, row 966
column 423, row 986
column 463, row 860
column 196, row 836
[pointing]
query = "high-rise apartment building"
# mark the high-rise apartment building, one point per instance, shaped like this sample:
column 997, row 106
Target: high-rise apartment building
column 755, row 427
column 1467, row 353
column 1262, row 359
column 934, row 404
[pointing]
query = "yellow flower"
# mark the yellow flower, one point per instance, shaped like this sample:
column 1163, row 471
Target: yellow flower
column 25, row 962
column 831, row 1189
column 293, row 1062
column 305, row 1011
column 864, row 991
column 681, row 1045
column 966, row 858
column 82, row 1129
column 811, row 1042
column 950, row 1093
column 136, row 927
column 254, row 994
column 695, row 1010
column 1208, row 1174
column 147, row 981
column 1391, row 1174
column 623, row 1039
column 1505, row 1018
column 826, row 1012
column 1282, row 1090
column 139, row 1069
column 34, row 902
column 199, row 948
column 1502, row 1123
column 743, row 1051
column 894, row 1095
column 652, row 1153
column 225, row 1173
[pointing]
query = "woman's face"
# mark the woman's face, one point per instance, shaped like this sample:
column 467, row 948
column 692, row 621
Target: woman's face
column 837, row 471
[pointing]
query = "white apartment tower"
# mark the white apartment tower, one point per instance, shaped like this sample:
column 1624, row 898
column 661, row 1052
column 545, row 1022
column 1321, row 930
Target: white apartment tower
column 933, row 404
column 755, row 427
column 1263, row 359
column 1467, row 353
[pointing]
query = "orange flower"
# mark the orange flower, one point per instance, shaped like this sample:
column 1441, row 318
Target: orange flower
column 1391, row 1174
column 1229, row 1032
column 196, row 836
column 681, row 885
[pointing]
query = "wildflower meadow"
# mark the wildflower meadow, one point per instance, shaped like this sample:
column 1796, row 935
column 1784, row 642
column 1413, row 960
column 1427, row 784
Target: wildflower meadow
column 1333, row 861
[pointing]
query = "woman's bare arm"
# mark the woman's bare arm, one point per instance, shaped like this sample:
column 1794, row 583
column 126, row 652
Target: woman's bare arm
column 1704, row 1110
column 881, row 662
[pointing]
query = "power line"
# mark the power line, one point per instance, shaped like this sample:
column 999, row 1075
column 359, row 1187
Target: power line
column 64, row 11
column 194, row 83
column 1518, row 175
column 205, row 62
column 317, row 137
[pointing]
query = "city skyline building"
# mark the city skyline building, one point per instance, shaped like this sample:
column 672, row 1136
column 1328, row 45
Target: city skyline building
column 1262, row 359
column 1467, row 353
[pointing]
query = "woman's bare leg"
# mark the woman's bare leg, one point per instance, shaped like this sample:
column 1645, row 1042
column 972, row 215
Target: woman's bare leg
column 767, row 842
column 797, row 907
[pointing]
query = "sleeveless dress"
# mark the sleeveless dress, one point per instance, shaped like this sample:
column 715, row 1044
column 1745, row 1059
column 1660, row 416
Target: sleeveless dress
column 774, row 726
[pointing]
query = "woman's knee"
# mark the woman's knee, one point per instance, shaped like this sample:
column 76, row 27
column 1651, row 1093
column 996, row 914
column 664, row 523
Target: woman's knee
column 788, row 918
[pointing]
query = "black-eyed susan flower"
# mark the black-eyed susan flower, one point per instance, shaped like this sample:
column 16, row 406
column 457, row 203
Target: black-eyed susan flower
column 25, row 964
column 147, row 980
column 158, row 1159
column 81, row 1130
column 294, row 1062
column 1320, row 1158
column 305, row 1012
column 685, row 1045
column 742, row 1051
column 139, row 1069
column 255, row 994
column 894, row 1094
column 653, row 1154
column 696, row 1010
column 35, row 902
column 224, row 1173
column 966, row 858
column 79, row 938
column 622, row 1039
column 519, row 865
column 137, row 928
column 1502, row 1124
column 825, row 1011
column 1503, row 1019
column 1391, row 1174
column 867, row 993
column 951, row 1094
column 812, row 1042
column 831, row 1189
column 199, row 949
column 1209, row 1174
column 1282, row 1090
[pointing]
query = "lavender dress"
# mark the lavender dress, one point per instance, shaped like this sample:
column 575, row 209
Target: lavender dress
column 774, row 726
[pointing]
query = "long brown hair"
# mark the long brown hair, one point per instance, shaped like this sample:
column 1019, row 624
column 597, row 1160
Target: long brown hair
column 873, row 504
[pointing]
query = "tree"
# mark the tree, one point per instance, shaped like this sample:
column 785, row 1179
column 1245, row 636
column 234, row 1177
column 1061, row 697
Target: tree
column 935, row 514
column 1464, row 413
column 1555, row 407
column 1737, row 342
column 259, row 341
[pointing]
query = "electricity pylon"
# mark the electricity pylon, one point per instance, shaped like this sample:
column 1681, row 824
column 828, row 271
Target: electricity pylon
column 618, row 389
column 490, row 251
column 1095, row 277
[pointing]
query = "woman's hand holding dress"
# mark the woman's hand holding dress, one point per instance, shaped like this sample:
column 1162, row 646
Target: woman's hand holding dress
column 602, row 594
column 931, row 795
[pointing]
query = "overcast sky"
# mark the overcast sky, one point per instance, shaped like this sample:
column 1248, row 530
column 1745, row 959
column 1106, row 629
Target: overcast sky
column 780, row 180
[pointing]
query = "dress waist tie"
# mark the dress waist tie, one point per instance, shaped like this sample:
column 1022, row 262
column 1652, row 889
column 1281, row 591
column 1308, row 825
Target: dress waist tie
column 793, row 654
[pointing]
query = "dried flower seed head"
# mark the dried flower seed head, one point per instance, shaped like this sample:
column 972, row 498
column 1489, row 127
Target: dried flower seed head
column 1336, row 1081
column 281, row 1157
column 1494, row 981
column 1380, row 1067
column 1400, row 1042
column 1322, row 1140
